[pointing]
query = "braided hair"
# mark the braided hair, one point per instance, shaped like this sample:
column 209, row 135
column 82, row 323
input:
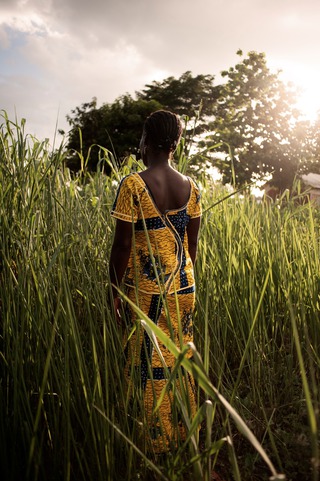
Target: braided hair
column 163, row 130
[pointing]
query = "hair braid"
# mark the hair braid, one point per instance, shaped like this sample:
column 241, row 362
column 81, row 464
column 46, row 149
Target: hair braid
column 163, row 130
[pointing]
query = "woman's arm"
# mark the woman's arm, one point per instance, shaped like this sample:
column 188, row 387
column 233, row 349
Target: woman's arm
column 193, row 232
column 120, row 253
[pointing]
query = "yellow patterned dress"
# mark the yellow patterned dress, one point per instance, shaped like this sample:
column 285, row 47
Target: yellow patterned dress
column 160, row 279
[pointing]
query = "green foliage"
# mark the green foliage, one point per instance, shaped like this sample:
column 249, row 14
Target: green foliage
column 116, row 127
column 262, row 261
column 188, row 96
column 255, row 118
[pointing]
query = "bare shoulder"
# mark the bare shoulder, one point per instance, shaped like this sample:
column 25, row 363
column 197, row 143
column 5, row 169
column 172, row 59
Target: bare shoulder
column 182, row 177
column 163, row 175
column 177, row 177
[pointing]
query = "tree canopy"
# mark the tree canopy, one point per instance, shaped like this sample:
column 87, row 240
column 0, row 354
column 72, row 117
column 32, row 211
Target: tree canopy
column 251, row 115
column 116, row 126
column 184, row 95
column 257, row 123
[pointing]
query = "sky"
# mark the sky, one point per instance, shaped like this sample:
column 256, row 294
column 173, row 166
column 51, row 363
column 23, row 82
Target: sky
column 57, row 54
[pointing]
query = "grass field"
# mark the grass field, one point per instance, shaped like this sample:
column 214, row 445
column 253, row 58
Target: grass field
column 65, row 411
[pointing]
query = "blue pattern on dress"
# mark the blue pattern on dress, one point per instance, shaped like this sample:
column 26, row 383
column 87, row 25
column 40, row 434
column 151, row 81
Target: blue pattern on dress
column 152, row 223
column 180, row 221
column 147, row 348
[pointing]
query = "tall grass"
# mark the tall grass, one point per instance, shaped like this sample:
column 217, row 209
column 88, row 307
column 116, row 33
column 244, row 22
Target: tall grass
column 65, row 408
column 263, row 321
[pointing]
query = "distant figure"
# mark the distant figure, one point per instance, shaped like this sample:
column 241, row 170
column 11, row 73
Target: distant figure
column 154, row 250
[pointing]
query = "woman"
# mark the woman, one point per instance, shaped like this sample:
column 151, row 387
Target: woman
column 154, row 250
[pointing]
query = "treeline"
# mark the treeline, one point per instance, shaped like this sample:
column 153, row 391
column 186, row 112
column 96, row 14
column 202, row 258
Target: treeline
column 246, row 126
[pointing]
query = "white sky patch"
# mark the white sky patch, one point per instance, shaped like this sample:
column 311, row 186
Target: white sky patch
column 309, row 99
column 32, row 24
column 306, row 77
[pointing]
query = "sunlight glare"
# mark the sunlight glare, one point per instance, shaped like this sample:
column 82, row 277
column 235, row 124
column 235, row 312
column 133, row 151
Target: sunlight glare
column 307, row 79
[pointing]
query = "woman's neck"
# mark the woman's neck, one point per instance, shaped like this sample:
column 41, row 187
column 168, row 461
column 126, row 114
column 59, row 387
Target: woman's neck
column 158, row 160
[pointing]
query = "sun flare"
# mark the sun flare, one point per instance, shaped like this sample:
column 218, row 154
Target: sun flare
column 307, row 79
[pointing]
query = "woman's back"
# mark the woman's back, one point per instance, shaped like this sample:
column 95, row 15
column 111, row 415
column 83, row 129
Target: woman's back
column 169, row 189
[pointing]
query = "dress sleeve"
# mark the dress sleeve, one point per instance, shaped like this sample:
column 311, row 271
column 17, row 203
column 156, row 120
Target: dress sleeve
column 194, row 207
column 125, row 206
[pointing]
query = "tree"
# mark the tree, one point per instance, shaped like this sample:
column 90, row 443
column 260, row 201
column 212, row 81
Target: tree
column 251, row 116
column 257, row 123
column 85, row 122
column 116, row 127
column 185, row 95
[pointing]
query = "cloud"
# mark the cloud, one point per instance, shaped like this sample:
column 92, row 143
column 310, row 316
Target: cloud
column 57, row 54
column 65, row 67
column 4, row 39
